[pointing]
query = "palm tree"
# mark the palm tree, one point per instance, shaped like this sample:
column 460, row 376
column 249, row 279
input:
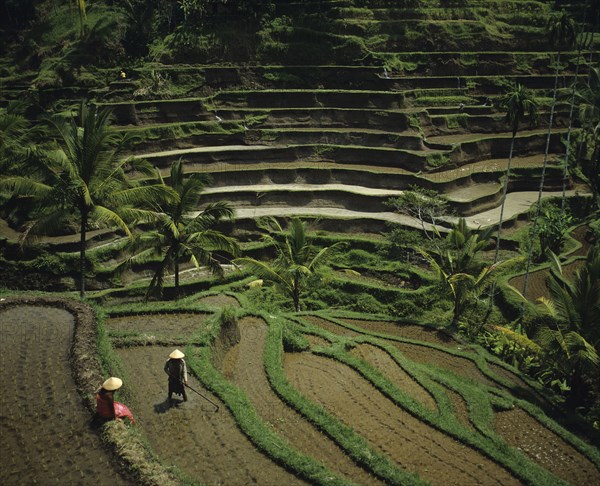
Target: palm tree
column 15, row 131
column 180, row 234
column 562, row 34
column 297, row 260
column 517, row 101
column 458, row 268
column 81, row 176
column 573, row 343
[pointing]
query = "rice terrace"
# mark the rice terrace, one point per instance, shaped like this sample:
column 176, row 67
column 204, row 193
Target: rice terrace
column 341, row 242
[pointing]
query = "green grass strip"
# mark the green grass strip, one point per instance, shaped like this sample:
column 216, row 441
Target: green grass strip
column 355, row 445
column 254, row 427
column 497, row 450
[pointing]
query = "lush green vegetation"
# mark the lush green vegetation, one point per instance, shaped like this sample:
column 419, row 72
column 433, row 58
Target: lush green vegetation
column 143, row 138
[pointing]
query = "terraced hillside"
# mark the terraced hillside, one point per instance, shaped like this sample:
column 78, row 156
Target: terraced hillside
column 337, row 139
column 326, row 110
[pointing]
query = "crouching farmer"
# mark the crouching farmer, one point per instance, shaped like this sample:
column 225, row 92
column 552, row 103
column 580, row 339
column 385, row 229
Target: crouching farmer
column 176, row 370
column 106, row 407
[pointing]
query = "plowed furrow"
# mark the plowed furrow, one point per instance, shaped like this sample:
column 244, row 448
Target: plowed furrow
column 244, row 365
column 409, row 442
column 45, row 437
column 456, row 364
column 546, row 448
column 206, row 445
column 418, row 333
column 385, row 364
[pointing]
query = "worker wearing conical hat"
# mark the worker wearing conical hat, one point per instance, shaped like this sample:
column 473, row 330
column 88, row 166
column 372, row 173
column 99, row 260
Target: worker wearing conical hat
column 105, row 398
column 106, row 406
column 176, row 369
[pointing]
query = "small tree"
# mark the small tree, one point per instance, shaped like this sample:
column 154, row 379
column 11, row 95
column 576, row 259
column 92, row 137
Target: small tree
column 425, row 205
column 458, row 269
column 518, row 102
column 553, row 228
column 296, row 262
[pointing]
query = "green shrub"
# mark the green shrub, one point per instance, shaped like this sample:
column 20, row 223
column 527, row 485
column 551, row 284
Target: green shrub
column 368, row 304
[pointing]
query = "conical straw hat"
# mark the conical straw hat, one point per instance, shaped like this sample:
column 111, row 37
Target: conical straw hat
column 112, row 384
column 176, row 354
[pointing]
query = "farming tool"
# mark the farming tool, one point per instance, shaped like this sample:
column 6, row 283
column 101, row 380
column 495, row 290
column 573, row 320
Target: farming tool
column 196, row 391
column 205, row 398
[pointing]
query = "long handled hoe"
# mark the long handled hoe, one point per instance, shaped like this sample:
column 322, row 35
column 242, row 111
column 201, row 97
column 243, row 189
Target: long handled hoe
column 197, row 392
column 205, row 398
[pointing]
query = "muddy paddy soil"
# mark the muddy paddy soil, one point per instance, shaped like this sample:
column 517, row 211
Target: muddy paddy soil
column 45, row 431
column 204, row 444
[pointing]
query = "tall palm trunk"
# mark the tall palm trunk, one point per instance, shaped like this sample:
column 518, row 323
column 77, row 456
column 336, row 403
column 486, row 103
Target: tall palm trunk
column 176, row 278
column 82, row 248
column 580, row 46
column 504, row 191
column 542, row 178
column 296, row 293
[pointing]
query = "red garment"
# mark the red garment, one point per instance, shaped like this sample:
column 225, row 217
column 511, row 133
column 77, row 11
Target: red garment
column 123, row 411
column 105, row 406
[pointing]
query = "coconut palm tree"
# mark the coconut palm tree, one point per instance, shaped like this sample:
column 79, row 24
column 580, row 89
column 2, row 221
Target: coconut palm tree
column 81, row 176
column 573, row 343
column 562, row 34
column 16, row 135
column 182, row 232
column 518, row 102
column 458, row 268
column 296, row 261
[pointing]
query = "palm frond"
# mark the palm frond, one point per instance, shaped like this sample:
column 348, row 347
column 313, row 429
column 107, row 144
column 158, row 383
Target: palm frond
column 262, row 270
column 106, row 215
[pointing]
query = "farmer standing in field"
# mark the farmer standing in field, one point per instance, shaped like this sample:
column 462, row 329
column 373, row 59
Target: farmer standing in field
column 176, row 369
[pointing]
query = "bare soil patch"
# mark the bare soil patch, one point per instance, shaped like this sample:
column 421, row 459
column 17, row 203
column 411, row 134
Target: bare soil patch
column 316, row 340
column 159, row 325
column 220, row 300
column 456, row 364
column 331, row 327
column 404, row 439
column 408, row 331
column 461, row 409
column 45, row 432
column 544, row 447
column 243, row 364
column 536, row 284
column 382, row 361
column 207, row 446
